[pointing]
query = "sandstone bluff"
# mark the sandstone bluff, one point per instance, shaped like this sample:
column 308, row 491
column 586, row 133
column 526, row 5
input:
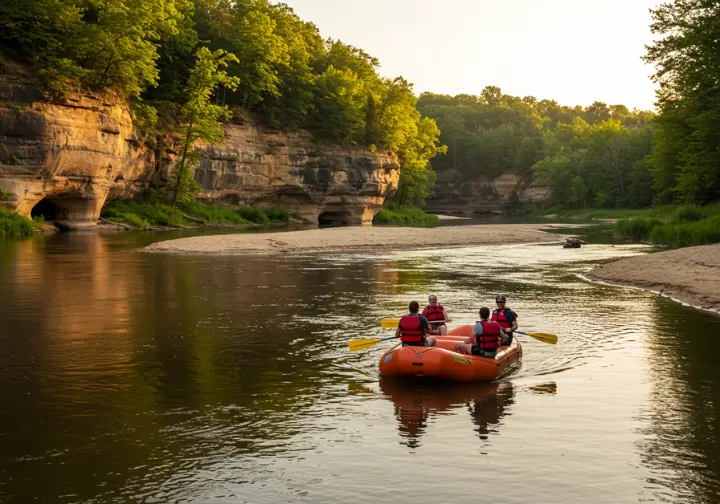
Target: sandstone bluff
column 66, row 158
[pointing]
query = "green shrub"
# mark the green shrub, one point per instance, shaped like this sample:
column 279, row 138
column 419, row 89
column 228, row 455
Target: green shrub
column 39, row 223
column 213, row 214
column 13, row 224
column 254, row 214
column 704, row 232
column 404, row 216
column 158, row 214
column 689, row 213
column 136, row 220
column 277, row 214
column 637, row 229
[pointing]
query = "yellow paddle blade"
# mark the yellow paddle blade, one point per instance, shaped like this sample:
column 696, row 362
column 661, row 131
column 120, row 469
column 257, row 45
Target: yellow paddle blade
column 544, row 337
column 392, row 323
column 362, row 344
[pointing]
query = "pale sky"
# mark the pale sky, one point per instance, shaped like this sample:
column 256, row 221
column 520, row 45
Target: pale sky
column 573, row 51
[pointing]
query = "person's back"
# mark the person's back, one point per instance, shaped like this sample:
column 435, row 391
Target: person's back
column 413, row 327
column 485, row 339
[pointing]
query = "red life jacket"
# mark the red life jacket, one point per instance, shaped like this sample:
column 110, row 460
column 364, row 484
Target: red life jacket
column 499, row 317
column 435, row 313
column 411, row 330
column 490, row 337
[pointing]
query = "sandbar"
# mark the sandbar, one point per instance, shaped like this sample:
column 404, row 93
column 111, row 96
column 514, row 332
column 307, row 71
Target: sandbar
column 357, row 238
column 690, row 275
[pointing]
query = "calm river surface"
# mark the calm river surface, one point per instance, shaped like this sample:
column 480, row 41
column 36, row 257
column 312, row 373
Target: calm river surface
column 135, row 377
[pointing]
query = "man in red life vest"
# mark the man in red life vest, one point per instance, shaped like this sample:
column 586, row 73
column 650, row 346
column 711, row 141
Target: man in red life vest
column 434, row 311
column 413, row 327
column 485, row 339
column 506, row 318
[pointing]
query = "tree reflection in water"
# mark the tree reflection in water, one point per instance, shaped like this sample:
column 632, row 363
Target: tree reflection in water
column 681, row 445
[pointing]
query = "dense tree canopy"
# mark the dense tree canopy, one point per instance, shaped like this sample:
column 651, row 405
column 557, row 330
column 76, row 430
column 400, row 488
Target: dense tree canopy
column 686, row 159
column 587, row 156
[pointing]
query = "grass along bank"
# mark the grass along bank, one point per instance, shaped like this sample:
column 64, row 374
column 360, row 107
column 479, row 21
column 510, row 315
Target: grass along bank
column 606, row 213
column 404, row 216
column 681, row 226
column 143, row 214
column 15, row 225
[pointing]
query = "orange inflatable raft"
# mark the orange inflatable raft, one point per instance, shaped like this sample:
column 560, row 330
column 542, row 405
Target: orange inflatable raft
column 441, row 361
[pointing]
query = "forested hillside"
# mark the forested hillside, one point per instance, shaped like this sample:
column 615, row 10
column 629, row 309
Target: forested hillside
column 593, row 156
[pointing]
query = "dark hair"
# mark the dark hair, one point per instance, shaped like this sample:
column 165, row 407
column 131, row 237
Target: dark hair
column 414, row 307
column 484, row 312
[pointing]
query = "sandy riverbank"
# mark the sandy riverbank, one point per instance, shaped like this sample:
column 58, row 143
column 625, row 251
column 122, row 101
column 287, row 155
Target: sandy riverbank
column 690, row 275
column 349, row 238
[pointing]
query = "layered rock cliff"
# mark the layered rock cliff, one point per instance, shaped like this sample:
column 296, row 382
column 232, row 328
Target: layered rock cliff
column 322, row 182
column 456, row 195
column 66, row 158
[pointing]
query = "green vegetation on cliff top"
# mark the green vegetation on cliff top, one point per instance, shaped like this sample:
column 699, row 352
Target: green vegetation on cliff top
column 287, row 74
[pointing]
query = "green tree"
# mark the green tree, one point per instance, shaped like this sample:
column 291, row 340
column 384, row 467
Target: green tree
column 39, row 31
column 556, row 173
column 597, row 113
column 577, row 192
column 200, row 118
column 259, row 48
column 686, row 161
column 339, row 105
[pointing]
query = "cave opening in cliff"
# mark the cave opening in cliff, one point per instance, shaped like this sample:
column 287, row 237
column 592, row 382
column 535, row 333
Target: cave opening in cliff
column 333, row 218
column 46, row 209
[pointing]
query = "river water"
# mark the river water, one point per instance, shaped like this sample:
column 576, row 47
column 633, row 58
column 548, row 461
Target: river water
column 135, row 377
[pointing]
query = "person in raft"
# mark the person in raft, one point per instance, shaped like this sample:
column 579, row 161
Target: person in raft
column 413, row 327
column 506, row 318
column 485, row 339
column 434, row 311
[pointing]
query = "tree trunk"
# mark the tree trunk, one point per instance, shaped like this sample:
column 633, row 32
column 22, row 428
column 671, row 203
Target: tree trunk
column 182, row 165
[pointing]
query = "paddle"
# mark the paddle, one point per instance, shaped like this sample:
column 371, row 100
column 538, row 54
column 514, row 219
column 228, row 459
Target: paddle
column 363, row 344
column 392, row 323
column 544, row 337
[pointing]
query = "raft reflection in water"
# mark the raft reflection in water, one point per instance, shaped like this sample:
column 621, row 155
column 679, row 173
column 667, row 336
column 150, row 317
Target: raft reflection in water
column 418, row 401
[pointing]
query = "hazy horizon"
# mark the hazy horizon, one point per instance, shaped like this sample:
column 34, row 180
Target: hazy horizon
column 561, row 50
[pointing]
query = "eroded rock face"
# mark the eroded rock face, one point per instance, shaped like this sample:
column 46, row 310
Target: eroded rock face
column 455, row 195
column 65, row 159
column 321, row 182
column 68, row 153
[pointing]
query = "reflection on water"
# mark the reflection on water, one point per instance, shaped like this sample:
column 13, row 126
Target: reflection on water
column 131, row 377
column 415, row 403
column 683, row 421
